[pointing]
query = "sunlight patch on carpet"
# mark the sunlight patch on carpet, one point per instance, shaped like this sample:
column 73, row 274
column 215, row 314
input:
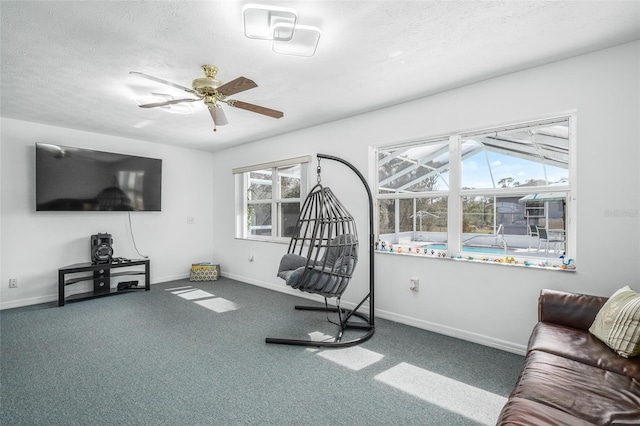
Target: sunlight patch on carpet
column 218, row 305
column 178, row 288
column 468, row 401
column 354, row 358
column 194, row 294
column 318, row 336
column 184, row 290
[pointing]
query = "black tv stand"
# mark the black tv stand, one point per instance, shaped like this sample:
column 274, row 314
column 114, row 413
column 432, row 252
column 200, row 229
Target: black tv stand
column 101, row 274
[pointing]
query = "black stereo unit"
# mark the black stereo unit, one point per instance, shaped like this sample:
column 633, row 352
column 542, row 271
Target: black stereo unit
column 101, row 250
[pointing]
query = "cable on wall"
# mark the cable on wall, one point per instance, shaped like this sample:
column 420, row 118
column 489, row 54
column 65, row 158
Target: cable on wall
column 133, row 238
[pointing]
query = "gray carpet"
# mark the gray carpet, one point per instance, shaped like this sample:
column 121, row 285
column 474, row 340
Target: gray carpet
column 187, row 358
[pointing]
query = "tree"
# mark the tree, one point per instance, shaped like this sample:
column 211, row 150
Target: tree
column 508, row 182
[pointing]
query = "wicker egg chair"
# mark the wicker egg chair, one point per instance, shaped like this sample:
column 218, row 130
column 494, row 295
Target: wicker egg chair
column 321, row 259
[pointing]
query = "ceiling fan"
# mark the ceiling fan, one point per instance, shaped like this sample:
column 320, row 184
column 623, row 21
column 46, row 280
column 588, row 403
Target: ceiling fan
column 212, row 91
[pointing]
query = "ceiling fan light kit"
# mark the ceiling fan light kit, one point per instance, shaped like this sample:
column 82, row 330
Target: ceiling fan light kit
column 218, row 116
column 211, row 91
column 280, row 25
column 209, row 83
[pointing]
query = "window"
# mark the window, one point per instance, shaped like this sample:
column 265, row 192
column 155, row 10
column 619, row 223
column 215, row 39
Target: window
column 413, row 183
column 268, row 198
column 499, row 191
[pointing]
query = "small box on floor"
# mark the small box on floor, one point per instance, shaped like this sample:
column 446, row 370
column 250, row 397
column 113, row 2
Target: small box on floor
column 204, row 272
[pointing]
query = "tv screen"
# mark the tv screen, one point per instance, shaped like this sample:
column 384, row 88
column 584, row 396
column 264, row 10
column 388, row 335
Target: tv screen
column 76, row 179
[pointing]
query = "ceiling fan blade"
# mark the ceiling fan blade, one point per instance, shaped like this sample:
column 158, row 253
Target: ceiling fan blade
column 159, row 80
column 238, row 85
column 219, row 118
column 169, row 102
column 256, row 108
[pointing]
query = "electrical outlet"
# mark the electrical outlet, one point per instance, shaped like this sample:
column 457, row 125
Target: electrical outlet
column 414, row 284
column 191, row 220
column 13, row 282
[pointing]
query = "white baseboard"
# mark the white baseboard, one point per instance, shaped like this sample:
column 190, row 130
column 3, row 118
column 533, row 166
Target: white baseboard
column 19, row 303
column 282, row 289
column 395, row 317
column 453, row 332
column 391, row 316
column 28, row 301
column 170, row 278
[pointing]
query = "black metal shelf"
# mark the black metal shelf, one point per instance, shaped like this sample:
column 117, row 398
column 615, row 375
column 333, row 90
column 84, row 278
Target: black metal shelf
column 91, row 295
column 101, row 278
column 91, row 278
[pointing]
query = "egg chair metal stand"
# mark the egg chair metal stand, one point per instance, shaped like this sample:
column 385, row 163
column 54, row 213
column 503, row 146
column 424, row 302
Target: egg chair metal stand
column 322, row 256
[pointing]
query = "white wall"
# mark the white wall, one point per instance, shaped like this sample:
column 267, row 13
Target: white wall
column 35, row 244
column 490, row 304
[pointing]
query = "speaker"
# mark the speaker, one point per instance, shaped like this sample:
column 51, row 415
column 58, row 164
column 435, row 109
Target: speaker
column 101, row 250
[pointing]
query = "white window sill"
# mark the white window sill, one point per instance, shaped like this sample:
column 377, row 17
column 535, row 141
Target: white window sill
column 546, row 264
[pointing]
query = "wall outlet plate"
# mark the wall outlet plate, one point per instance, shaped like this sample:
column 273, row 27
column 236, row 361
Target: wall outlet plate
column 414, row 284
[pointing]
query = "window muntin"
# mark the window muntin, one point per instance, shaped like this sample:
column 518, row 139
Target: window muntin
column 536, row 155
column 413, row 182
column 288, row 202
column 418, row 168
column 386, row 216
column 289, row 213
column 260, row 219
column 512, row 180
column 419, row 220
column 505, row 225
column 270, row 199
column 260, row 184
column 289, row 181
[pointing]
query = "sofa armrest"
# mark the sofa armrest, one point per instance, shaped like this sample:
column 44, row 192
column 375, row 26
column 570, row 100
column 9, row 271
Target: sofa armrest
column 569, row 309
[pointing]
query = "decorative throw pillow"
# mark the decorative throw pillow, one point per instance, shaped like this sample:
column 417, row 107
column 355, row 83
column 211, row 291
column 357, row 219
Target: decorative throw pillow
column 618, row 323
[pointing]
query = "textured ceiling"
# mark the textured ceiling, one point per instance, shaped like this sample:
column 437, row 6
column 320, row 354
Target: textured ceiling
column 67, row 63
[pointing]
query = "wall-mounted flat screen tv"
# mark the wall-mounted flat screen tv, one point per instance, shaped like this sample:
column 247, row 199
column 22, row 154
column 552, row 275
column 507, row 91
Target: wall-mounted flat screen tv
column 77, row 179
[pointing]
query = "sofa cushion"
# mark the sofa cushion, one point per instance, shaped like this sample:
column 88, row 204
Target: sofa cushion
column 571, row 309
column 618, row 323
column 520, row 411
column 588, row 393
column 581, row 346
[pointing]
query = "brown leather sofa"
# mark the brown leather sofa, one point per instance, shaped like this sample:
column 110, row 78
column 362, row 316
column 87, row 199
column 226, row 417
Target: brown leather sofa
column 569, row 376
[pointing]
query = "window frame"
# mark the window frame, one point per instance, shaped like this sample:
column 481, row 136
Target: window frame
column 445, row 193
column 242, row 184
column 456, row 192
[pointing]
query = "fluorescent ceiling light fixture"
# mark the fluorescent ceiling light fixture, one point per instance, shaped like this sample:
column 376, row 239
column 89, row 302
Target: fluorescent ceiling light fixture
column 269, row 22
column 184, row 109
column 303, row 43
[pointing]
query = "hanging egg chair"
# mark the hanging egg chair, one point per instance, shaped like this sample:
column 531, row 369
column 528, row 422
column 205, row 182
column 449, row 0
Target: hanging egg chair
column 321, row 259
column 323, row 251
